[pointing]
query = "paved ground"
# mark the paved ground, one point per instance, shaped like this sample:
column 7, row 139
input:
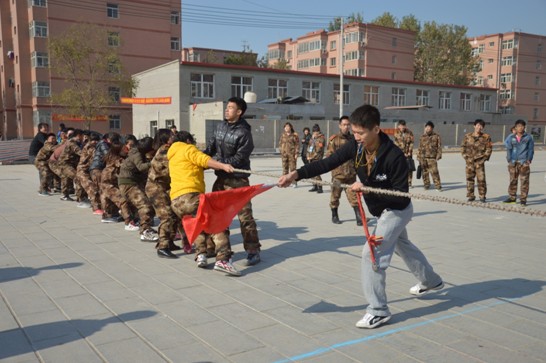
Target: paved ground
column 75, row 290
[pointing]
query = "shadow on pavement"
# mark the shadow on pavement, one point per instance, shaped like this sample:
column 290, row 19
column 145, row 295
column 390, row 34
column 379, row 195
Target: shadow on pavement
column 21, row 272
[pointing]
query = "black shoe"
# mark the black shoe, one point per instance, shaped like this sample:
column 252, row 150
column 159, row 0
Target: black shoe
column 165, row 253
column 319, row 189
column 523, row 203
column 510, row 200
column 313, row 189
column 174, row 247
column 471, row 199
column 482, row 200
column 67, row 198
column 335, row 217
column 358, row 216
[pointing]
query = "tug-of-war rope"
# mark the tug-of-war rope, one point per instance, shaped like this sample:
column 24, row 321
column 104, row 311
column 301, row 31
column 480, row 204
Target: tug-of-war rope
column 433, row 198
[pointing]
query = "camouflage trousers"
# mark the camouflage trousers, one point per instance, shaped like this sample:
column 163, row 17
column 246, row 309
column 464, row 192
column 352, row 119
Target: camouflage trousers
column 249, row 230
column 67, row 173
column 137, row 198
column 336, row 192
column 430, row 165
column 90, row 188
column 475, row 170
column 187, row 205
column 167, row 218
column 288, row 163
column 112, row 201
column 46, row 176
column 521, row 171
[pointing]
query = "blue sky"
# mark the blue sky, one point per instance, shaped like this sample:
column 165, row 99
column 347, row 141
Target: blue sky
column 254, row 24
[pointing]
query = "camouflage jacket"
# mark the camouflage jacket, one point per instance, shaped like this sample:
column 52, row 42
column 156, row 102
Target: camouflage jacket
column 159, row 168
column 289, row 144
column 86, row 157
column 315, row 149
column 109, row 175
column 347, row 169
column 71, row 153
column 476, row 148
column 430, row 147
column 44, row 154
column 404, row 140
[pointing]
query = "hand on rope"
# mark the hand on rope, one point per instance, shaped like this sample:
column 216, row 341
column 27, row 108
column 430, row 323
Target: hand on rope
column 373, row 240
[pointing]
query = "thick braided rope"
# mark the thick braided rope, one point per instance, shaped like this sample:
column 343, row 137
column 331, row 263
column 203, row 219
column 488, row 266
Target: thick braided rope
column 433, row 198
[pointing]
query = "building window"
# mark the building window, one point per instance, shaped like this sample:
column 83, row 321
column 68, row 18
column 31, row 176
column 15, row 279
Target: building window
column 505, row 94
column 539, row 48
column 39, row 60
column 536, row 97
column 311, row 91
column 445, row 100
column 40, row 89
column 481, row 48
column 507, row 61
column 169, row 123
column 346, row 94
column 38, row 29
column 332, row 62
column 333, row 45
column 275, row 54
column 422, row 97
column 42, row 3
column 485, row 103
column 113, row 39
column 352, row 55
column 114, row 122
column 371, row 95
column 394, row 42
column 537, row 81
column 41, row 116
column 491, row 44
column 398, row 96
column 508, row 44
column 309, row 46
column 114, row 93
column 289, row 54
column 194, row 57
column 175, row 17
column 202, row 85
column 506, row 77
column 277, row 88
column 507, row 110
column 175, row 44
column 490, row 60
column 466, row 102
column 112, row 10
column 353, row 37
column 393, row 59
column 538, row 65
column 535, row 113
column 358, row 72
column 114, row 67
column 153, row 128
column 240, row 85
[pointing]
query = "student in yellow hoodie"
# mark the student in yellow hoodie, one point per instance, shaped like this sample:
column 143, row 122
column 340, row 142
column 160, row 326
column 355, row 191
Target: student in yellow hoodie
column 187, row 170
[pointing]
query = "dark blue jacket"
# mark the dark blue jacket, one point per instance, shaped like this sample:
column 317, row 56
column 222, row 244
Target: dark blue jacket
column 520, row 151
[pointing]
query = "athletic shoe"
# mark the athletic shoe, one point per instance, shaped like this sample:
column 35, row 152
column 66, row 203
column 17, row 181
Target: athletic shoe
column 110, row 220
column 67, row 198
column 417, row 290
column 201, row 260
column 131, row 227
column 149, row 235
column 370, row 321
column 482, row 200
column 523, row 203
column 84, row 204
column 226, row 267
column 98, row 212
column 510, row 200
column 252, row 259
column 43, row 194
column 471, row 199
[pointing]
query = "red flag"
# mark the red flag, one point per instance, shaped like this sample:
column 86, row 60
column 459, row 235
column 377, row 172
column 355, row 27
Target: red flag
column 217, row 209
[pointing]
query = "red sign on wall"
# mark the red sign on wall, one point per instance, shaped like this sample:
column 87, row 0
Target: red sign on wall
column 147, row 101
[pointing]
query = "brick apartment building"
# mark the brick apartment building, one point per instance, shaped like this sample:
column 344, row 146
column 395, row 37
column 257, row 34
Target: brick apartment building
column 216, row 56
column 515, row 64
column 149, row 34
column 370, row 51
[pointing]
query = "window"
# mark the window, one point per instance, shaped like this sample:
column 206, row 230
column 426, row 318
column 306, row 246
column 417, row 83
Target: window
column 485, row 103
column 309, row 46
column 202, row 85
column 506, row 77
column 353, row 37
column 289, row 54
column 398, row 96
column 538, row 65
column 490, row 60
column 507, row 44
column 394, row 42
column 274, row 54
column 354, row 72
column 39, row 60
column 507, row 61
column 355, row 54
column 169, row 123
column 489, row 76
column 313, row 62
column 535, row 113
column 175, row 17
column 466, row 102
column 41, row 116
column 38, row 29
column 240, row 85
column 277, row 88
column 481, row 48
column 332, row 62
column 507, row 110
column 536, row 97
column 393, row 59
column 115, row 122
column 371, row 95
column 112, row 10
column 333, row 45
column 114, row 67
column 113, row 39
column 491, row 44
column 175, row 44
column 153, row 128
column 311, row 91
column 346, row 94
column 422, row 97
column 539, row 48
column 445, row 100
column 114, row 93
column 40, row 89
column 42, row 3
column 537, row 81
column 505, row 94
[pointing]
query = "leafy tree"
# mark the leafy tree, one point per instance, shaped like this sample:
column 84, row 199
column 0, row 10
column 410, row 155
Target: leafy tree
column 243, row 59
column 410, row 22
column 386, row 20
column 444, row 55
column 353, row 18
column 281, row 64
column 89, row 66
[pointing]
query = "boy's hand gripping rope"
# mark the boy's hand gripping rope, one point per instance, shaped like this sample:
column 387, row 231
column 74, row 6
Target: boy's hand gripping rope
column 373, row 240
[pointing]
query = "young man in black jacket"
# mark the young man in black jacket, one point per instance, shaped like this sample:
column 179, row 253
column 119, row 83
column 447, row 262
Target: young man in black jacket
column 380, row 164
column 232, row 144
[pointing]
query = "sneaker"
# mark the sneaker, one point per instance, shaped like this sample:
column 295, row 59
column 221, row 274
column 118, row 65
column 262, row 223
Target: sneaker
column 252, row 259
column 482, row 200
column 523, row 203
column 510, row 200
column 227, row 267
column 369, row 321
column 67, row 198
column 84, row 204
column 439, row 190
column 201, row 260
column 149, row 235
column 98, row 212
column 131, row 226
column 426, row 187
column 43, row 194
column 471, row 199
column 417, row 290
column 110, row 220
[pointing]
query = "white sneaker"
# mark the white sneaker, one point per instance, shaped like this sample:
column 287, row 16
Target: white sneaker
column 227, row 267
column 370, row 321
column 149, row 235
column 202, row 260
column 418, row 290
column 131, row 227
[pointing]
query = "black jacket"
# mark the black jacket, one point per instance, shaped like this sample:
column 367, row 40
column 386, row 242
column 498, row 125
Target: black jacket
column 232, row 144
column 37, row 143
column 390, row 171
column 100, row 152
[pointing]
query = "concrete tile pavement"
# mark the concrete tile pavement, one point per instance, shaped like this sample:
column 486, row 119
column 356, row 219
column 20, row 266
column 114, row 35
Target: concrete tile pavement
column 73, row 289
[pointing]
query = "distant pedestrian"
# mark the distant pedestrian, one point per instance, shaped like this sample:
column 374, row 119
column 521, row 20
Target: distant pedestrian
column 315, row 152
column 403, row 138
column 520, row 149
column 306, row 137
column 428, row 154
column 38, row 141
column 476, row 149
column 289, row 144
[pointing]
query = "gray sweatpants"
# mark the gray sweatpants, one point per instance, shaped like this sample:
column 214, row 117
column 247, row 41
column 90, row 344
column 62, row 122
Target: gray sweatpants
column 391, row 225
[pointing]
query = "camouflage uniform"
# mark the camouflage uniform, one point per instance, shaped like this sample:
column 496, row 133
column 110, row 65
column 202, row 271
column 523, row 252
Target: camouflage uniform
column 42, row 164
column 187, row 204
column 84, row 178
column 111, row 198
column 404, row 140
column 289, row 145
column 68, row 161
column 429, row 152
column 476, row 150
column 315, row 150
column 519, row 154
column 343, row 174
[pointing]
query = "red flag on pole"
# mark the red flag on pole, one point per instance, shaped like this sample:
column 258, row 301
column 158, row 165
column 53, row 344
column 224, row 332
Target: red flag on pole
column 217, row 209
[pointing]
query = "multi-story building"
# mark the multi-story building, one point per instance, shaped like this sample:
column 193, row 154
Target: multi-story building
column 147, row 34
column 369, row 51
column 217, row 56
column 515, row 64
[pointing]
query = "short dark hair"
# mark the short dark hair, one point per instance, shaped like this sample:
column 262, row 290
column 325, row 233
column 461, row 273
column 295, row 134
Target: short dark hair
column 344, row 117
column 429, row 123
column 94, row 137
column 162, row 137
column 291, row 127
column 77, row 132
column 241, row 104
column 51, row 134
column 366, row 116
column 401, row 122
column 316, row 128
column 479, row 121
column 185, row 136
column 520, row 122
column 306, row 128
column 130, row 137
column 145, row 145
column 41, row 125
column 173, row 127
column 61, row 125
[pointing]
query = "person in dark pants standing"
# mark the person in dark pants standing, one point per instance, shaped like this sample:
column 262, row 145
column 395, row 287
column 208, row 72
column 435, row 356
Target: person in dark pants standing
column 38, row 141
column 304, row 144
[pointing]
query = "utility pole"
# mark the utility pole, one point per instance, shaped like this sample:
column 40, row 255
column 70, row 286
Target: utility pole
column 341, row 67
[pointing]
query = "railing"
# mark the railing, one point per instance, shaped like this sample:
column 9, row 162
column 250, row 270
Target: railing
column 14, row 151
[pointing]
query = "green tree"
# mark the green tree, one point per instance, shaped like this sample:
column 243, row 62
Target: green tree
column 387, row 20
column 83, row 57
column 444, row 55
column 410, row 22
column 281, row 64
column 243, row 59
column 353, row 18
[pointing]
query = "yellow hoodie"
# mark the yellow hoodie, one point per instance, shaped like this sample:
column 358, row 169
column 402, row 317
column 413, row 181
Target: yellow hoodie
column 186, row 168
